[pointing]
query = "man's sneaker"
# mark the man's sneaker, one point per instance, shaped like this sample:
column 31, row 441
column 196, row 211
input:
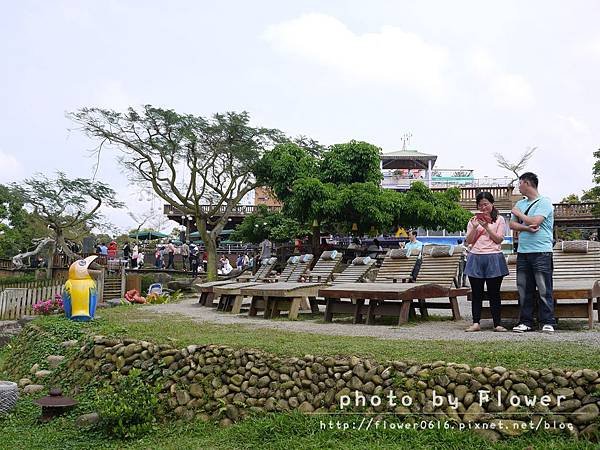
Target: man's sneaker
column 521, row 328
column 547, row 329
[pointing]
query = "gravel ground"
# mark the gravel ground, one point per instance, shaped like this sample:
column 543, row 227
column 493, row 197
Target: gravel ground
column 436, row 329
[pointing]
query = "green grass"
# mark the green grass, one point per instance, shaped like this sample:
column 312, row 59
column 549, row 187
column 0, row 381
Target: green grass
column 137, row 323
column 20, row 430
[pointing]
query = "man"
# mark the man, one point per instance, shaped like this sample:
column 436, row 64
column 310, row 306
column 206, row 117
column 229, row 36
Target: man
column 103, row 249
column 413, row 245
column 265, row 249
column 533, row 218
column 185, row 253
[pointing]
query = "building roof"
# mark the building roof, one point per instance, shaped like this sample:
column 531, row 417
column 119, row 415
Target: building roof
column 406, row 159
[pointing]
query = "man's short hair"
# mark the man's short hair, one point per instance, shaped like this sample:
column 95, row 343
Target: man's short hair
column 414, row 233
column 531, row 177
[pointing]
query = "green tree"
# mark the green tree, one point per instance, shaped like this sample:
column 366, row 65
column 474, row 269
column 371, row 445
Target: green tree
column 18, row 227
column 422, row 207
column 346, row 190
column 352, row 162
column 67, row 207
column 593, row 194
column 571, row 199
column 201, row 166
column 271, row 225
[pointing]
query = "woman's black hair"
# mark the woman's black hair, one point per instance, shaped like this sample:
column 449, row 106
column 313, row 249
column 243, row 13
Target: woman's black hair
column 490, row 198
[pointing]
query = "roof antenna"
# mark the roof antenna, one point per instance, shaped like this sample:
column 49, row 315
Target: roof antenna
column 405, row 140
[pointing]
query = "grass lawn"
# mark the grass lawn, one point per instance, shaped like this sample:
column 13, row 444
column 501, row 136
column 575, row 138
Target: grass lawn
column 134, row 322
column 21, row 430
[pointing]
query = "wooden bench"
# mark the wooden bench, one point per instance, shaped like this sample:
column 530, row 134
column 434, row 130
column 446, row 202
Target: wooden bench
column 575, row 285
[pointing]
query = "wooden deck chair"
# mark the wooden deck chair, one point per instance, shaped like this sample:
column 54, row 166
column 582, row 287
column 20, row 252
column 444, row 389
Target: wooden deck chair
column 289, row 296
column 356, row 271
column 440, row 266
column 397, row 266
column 576, row 277
column 207, row 289
column 230, row 296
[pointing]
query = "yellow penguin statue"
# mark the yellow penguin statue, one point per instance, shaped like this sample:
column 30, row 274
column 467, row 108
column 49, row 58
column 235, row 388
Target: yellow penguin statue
column 80, row 294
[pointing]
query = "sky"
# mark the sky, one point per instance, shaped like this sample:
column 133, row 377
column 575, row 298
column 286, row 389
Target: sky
column 466, row 78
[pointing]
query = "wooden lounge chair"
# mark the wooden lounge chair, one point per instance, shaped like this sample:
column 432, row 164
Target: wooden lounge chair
column 207, row 293
column 230, row 295
column 272, row 299
column 396, row 299
column 576, row 282
column 440, row 265
column 397, row 266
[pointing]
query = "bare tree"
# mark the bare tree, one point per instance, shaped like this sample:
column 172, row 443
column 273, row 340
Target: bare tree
column 203, row 167
column 517, row 166
column 64, row 205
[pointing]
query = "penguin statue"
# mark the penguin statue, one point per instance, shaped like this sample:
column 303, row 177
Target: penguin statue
column 80, row 294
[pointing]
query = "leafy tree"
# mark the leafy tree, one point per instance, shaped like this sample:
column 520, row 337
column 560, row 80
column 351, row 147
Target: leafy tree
column 201, row 166
column 353, row 162
column 345, row 190
column 515, row 167
column 18, row 227
column 420, row 206
column 571, row 199
column 593, row 194
column 274, row 226
column 66, row 206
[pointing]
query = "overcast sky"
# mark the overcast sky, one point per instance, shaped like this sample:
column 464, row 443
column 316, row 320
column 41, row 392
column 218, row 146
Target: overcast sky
column 467, row 79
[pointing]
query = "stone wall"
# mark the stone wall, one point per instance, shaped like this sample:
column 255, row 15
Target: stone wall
column 207, row 380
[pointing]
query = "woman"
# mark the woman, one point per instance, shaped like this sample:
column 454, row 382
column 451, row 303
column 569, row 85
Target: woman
column 486, row 265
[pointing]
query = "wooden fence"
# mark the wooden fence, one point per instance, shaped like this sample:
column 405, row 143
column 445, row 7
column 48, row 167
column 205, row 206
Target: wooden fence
column 16, row 302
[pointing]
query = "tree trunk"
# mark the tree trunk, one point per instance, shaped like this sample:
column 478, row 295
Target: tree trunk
column 17, row 260
column 51, row 253
column 316, row 241
column 211, row 249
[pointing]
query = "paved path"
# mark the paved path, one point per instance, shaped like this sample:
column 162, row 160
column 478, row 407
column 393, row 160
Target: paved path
column 437, row 329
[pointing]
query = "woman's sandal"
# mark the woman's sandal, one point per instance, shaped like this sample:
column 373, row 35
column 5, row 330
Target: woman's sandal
column 474, row 327
column 500, row 329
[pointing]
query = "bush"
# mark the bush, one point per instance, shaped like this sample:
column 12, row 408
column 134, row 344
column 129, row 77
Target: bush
column 17, row 279
column 129, row 407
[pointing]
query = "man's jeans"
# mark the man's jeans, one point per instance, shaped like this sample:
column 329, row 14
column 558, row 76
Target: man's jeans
column 535, row 269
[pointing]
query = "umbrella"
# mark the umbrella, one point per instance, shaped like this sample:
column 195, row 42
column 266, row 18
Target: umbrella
column 148, row 235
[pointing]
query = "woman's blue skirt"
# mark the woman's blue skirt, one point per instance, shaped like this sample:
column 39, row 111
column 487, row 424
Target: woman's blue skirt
column 490, row 265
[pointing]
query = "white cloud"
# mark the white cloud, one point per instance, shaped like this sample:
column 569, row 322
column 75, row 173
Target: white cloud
column 12, row 170
column 390, row 56
column 507, row 90
column 574, row 124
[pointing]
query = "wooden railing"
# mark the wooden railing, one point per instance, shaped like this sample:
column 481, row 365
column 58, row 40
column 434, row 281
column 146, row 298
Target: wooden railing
column 240, row 210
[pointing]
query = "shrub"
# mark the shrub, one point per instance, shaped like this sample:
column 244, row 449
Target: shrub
column 50, row 306
column 127, row 408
